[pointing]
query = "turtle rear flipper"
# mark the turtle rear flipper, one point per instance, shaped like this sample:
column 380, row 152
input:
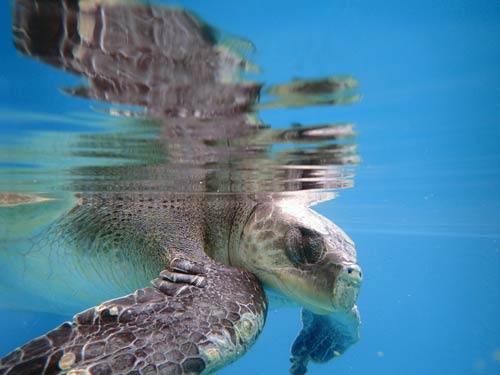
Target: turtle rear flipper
column 323, row 337
column 178, row 326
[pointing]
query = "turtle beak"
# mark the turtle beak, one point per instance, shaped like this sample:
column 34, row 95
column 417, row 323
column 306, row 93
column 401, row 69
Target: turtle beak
column 346, row 288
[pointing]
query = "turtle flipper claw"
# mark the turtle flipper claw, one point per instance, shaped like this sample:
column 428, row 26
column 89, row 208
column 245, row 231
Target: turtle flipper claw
column 169, row 288
column 186, row 266
column 183, row 278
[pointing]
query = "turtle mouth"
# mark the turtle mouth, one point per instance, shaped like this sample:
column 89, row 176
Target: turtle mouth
column 346, row 289
column 304, row 292
column 320, row 300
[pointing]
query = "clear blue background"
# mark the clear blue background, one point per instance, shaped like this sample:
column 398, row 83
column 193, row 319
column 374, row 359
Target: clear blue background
column 425, row 209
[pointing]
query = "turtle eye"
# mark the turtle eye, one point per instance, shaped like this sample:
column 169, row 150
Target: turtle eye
column 313, row 248
column 293, row 246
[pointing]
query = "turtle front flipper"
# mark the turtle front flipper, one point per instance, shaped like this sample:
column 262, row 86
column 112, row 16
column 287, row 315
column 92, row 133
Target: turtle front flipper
column 195, row 319
column 323, row 337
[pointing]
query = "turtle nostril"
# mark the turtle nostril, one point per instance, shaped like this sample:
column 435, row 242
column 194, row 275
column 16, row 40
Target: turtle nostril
column 354, row 271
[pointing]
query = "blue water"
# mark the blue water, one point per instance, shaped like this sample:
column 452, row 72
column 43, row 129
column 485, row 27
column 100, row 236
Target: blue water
column 425, row 209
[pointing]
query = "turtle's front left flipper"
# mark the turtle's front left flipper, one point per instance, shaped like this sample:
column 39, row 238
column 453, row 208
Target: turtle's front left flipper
column 323, row 337
column 195, row 318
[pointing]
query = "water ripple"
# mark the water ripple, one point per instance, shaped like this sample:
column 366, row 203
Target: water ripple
column 178, row 114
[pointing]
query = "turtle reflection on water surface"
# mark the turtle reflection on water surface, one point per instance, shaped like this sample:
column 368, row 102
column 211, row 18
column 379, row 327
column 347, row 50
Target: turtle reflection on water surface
column 215, row 252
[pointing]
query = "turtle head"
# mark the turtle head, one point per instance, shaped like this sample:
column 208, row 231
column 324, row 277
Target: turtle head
column 301, row 254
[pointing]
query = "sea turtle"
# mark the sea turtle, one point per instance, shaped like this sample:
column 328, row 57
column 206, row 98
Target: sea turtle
column 216, row 252
column 207, row 306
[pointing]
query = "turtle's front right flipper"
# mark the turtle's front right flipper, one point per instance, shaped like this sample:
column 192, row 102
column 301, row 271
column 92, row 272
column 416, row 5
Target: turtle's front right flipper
column 195, row 318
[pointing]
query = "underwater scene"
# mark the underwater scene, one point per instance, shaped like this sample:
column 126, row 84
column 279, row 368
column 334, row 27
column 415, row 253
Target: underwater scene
column 265, row 187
